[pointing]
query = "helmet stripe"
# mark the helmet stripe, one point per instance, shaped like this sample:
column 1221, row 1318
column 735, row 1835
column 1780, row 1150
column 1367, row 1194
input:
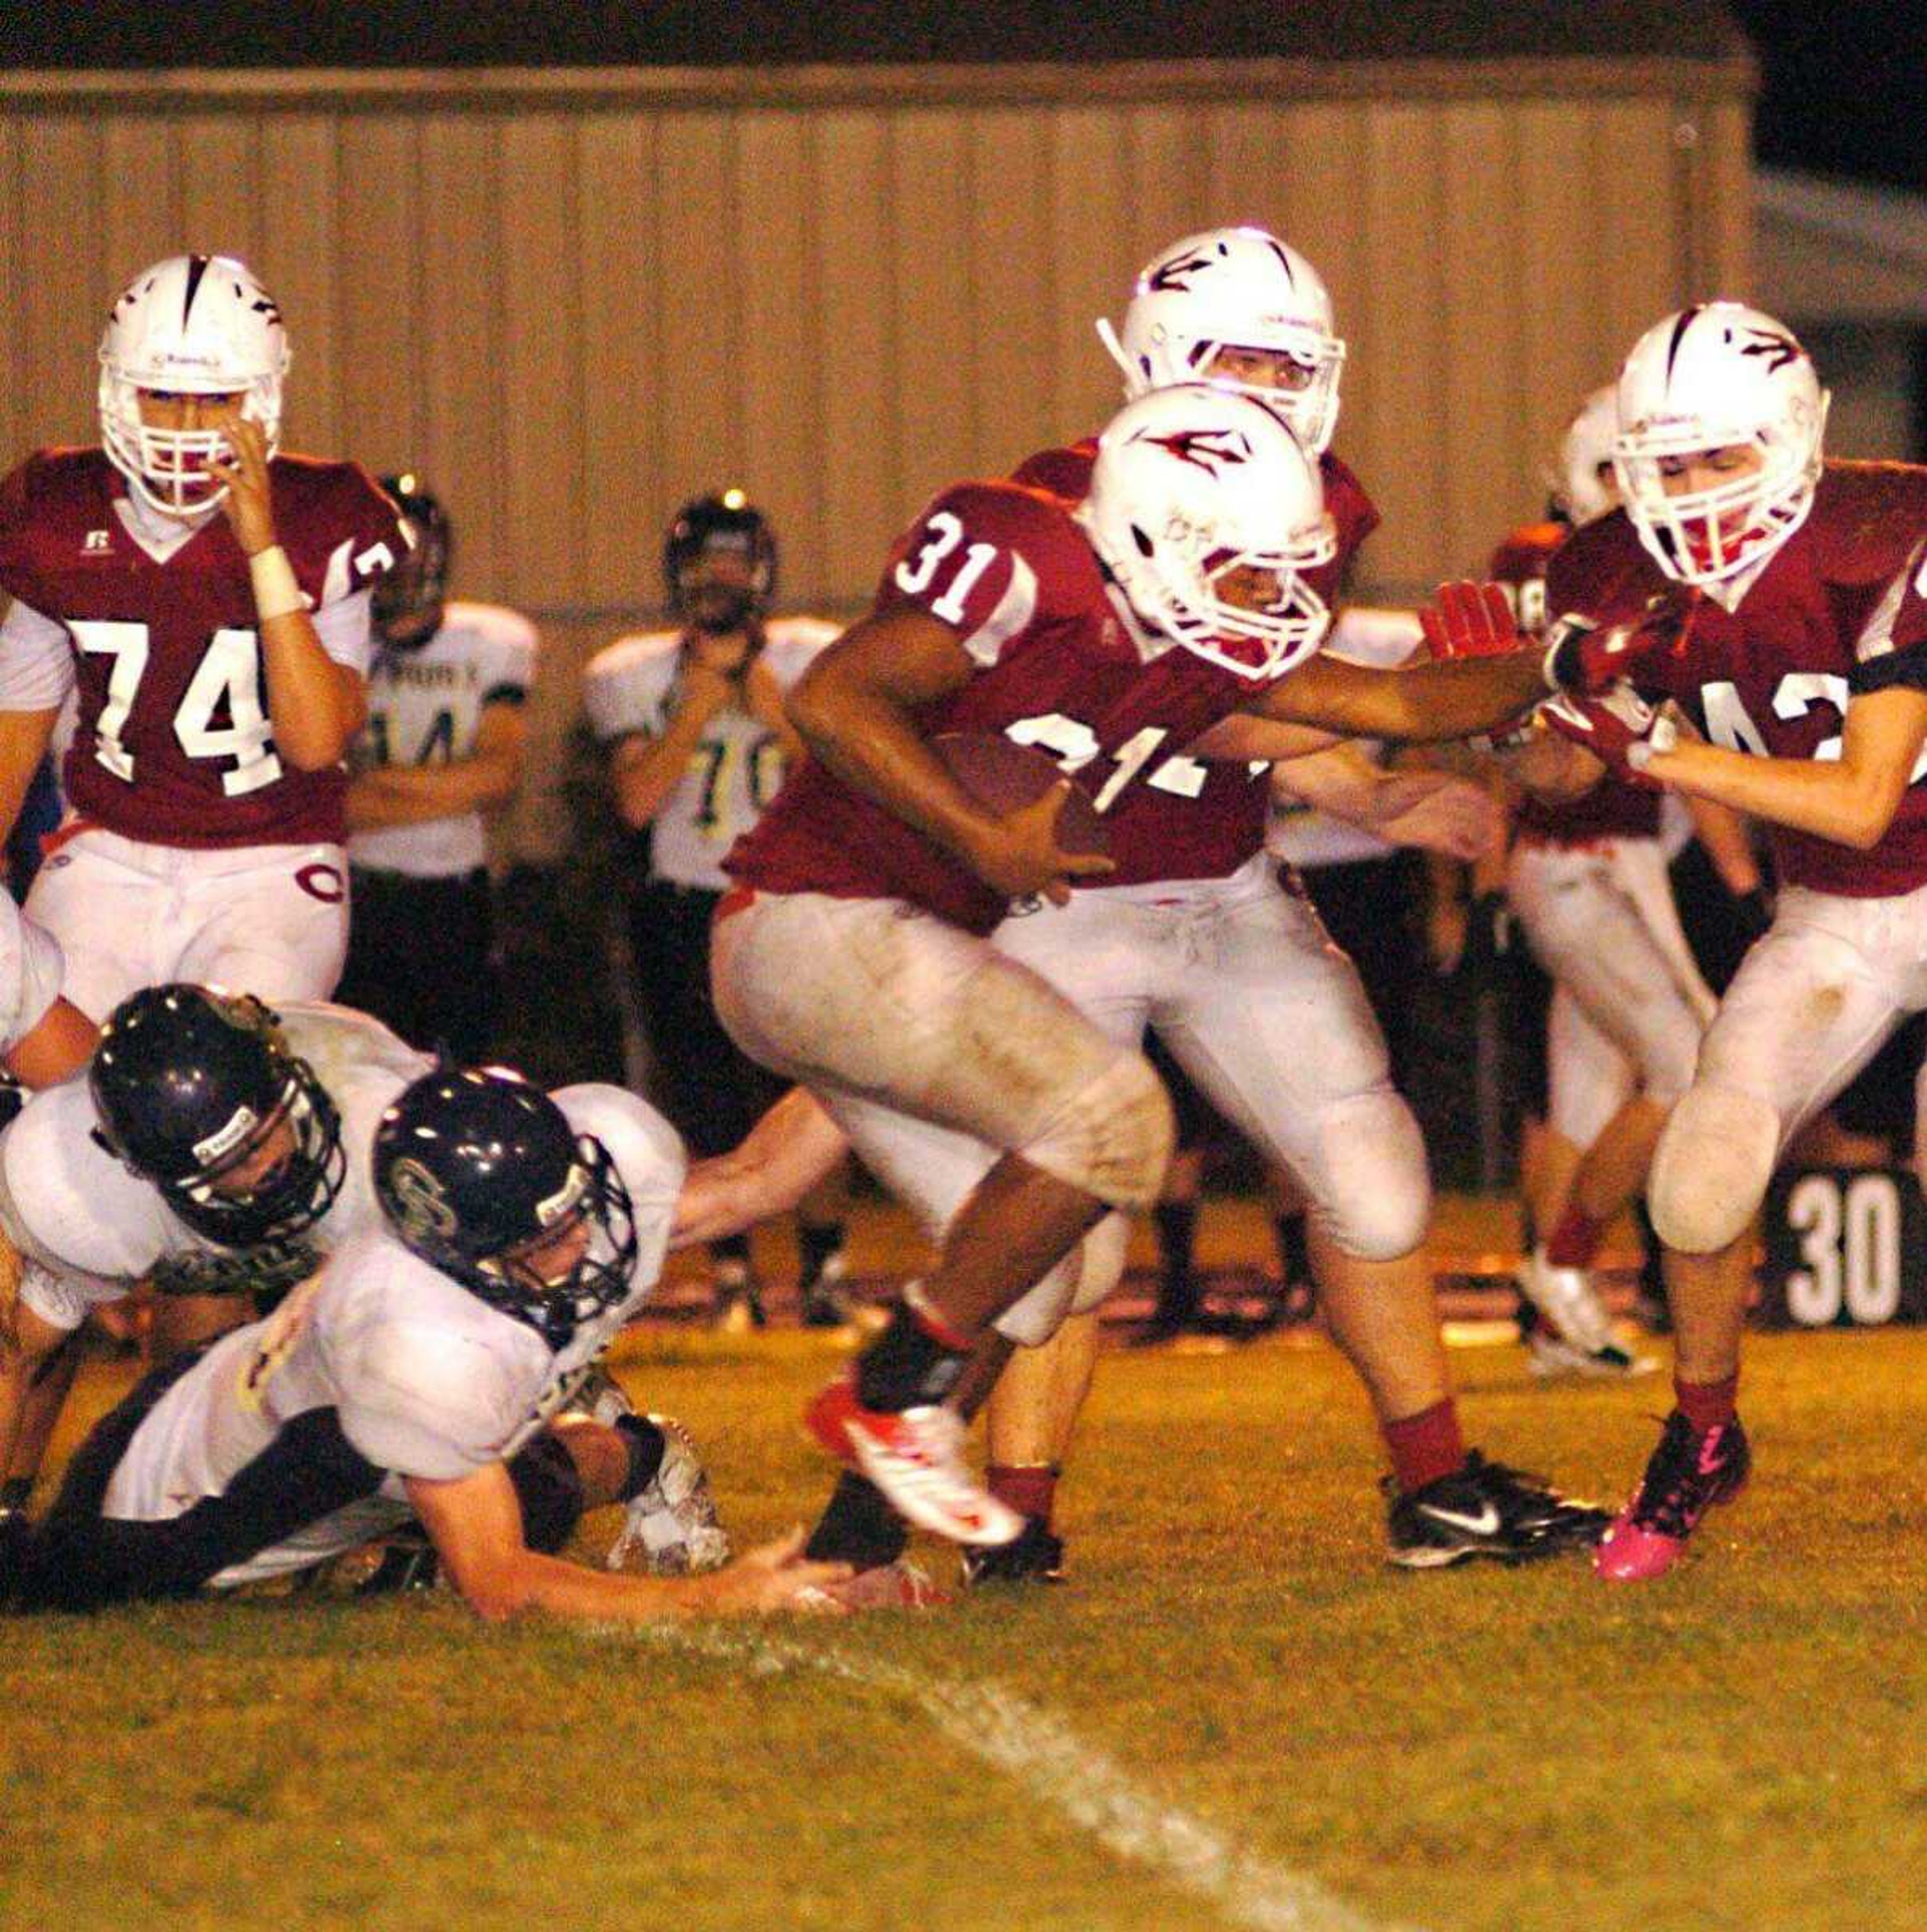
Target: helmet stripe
column 1687, row 318
column 197, row 267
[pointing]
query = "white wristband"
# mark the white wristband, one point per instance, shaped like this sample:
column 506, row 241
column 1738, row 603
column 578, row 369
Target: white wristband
column 276, row 592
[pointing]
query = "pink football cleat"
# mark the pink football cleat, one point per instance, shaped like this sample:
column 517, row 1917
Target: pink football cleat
column 1688, row 1473
column 915, row 1457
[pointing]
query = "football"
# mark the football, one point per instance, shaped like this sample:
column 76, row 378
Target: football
column 1004, row 777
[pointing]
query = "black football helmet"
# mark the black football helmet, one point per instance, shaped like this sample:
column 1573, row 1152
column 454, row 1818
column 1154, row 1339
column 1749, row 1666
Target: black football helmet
column 188, row 1084
column 408, row 599
column 476, row 1169
column 728, row 526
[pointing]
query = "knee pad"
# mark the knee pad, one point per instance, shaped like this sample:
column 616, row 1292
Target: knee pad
column 1371, row 1192
column 1710, row 1172
column 1113, row 1137
column 1081, row 1282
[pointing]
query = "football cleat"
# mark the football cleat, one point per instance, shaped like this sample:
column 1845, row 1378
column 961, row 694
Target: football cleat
column 670, row 1527
column 900, row 1585
column 1566, row 1298
column 1485, row 1509
column 1550, row 1356
column 1036, row 1556
column 739, row 1299
column 915, row 1457
column 1688, row 1473
column 824, row 1304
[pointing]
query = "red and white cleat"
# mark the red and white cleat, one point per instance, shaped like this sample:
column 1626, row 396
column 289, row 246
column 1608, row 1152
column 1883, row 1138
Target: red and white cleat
column 901, row 1586
column 1688, row 1473
column 915, row 1457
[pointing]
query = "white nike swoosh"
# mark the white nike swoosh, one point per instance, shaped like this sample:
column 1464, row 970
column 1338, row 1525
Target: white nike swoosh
column 1483, row 1524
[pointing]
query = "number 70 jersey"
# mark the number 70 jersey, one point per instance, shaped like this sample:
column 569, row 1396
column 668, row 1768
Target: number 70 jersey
column 173, row 745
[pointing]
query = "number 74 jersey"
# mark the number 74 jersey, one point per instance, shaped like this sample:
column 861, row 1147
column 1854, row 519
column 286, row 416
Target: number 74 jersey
column 173, row 745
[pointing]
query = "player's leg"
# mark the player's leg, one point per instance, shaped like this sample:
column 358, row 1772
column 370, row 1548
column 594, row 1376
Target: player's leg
column 1277, row 1031
column 867, row 998
column 272, row 921
column 1809, row 1007
column 111, row 916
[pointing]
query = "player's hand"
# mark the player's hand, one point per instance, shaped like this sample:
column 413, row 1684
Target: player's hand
column 704, row 689
column 762, row 696
column 1589, row 658
column 1023, row 857
column 1434, row 811
column 1469, row 620
column 774, row 1576
column 1620, row 729
column 248, row 505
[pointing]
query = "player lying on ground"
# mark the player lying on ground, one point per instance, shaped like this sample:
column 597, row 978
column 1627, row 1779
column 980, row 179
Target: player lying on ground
column 413, row 1378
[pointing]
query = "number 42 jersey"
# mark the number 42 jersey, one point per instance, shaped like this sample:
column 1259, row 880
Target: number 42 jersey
column 173, row 745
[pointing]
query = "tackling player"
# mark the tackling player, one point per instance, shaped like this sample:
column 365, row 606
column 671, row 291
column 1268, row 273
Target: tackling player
column 441, row 751
column 415, row 1377
column 209, row 598
column 1777, row 598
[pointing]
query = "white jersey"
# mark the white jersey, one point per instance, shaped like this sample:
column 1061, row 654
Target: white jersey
column 90, row 1229
column 425, row 708
column 380, row 1369
column 30, row 967
column 737, row 767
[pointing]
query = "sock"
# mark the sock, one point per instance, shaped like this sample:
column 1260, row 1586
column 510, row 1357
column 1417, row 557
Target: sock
column 857, row 1527
column 1175, row 1224
column 1575, row 1240
column 1652, row 1267
column 816, row 1241
column 647, row 1444
column 15, row 1491
column 1707, row 1404
column 1294, row 1253
column 1426, row 1446
column 1029, row 1488
column 916, row 1359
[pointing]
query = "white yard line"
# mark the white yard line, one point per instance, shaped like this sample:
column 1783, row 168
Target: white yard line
column 1040, row 1752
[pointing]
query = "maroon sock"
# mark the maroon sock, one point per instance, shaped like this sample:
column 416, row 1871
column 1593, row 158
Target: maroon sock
column 1575, row 1240
column 1707, row 1404
column 1029, row 1488
column 1426, row 1446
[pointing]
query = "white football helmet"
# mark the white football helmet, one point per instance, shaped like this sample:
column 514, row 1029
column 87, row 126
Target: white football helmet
column 1579, row 493
column 1233, row 288
column 1197, row 491
column 192, row 325
column 1715, row 376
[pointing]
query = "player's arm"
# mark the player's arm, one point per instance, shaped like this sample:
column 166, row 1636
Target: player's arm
column 24, row 738
column 856, row 708
column 1421, row 705
column 60, row 1043
column 483, row 781
column 1850, row 800
column 315, row 705
column 795, row 1145
column 1722, row 832
column 475, row 1523
column 1242, row 739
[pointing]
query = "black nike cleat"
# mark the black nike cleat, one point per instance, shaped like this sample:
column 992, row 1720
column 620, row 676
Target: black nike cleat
column 1484, row 1509
column 1036, row 1556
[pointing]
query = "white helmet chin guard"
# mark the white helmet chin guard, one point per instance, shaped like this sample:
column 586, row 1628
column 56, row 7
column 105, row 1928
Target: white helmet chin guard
column 1578, row 492
column 192, row 325
column 1233, row 288
column 1198, row 492
column 1720, row 376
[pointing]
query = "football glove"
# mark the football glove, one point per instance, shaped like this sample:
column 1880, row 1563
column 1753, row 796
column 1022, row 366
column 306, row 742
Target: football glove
column 1620, row 729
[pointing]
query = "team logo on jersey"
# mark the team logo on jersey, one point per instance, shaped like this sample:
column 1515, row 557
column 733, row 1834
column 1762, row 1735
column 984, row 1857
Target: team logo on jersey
column 419, row 1202
column 95, row 542
column 1213, row 451
column 1777, row 350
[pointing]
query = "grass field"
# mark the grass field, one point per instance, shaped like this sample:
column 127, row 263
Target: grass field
column 1233, row 1715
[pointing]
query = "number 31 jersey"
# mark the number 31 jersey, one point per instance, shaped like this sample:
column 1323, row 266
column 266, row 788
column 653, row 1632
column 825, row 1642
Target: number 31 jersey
column 173, row 746
column 1060, row 663
column 736, row 767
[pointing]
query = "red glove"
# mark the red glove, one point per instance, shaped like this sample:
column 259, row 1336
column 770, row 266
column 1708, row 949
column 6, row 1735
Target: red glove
column 1470, row 620
column 1582, row 657
column 1621, row 730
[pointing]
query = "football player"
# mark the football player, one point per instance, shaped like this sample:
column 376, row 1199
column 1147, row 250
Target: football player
column 415, row 1377
column 1195, row 936
column 698, row 743
column 208, row 598
column 1172, row 597
column 1776, row 599
column 441, row 751
column 217, row 1149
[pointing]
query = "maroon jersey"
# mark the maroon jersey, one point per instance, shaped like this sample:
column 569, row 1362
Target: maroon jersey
column 1057, row 667
column 1838, row 611
column 1198, row 818
column 173, row 745
column 1612, row 809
